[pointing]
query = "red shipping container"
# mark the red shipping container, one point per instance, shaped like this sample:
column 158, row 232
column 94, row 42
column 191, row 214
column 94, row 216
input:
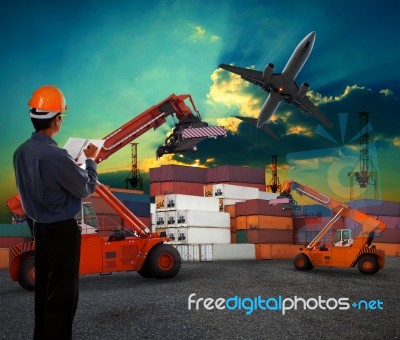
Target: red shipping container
column 7, row 242
column 312, row 223
column 261, row 207
column 233, row 237
column 178, row 173
column 377, row 207
column 234, row 173
column 269, row 236
column 392, row 222
column 389, row 236
column 212, row 175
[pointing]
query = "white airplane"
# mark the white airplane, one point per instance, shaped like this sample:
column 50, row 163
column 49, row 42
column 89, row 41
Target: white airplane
column 281, row 86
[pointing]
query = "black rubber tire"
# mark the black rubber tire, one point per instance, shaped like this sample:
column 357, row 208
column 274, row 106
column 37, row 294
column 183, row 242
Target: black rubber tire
column 368, row 264
column 145, row 272
column 27, row 274
column 302, row 262
column 163, row 261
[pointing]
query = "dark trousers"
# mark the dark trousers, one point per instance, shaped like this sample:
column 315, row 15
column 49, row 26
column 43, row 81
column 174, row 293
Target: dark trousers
column 57, row 255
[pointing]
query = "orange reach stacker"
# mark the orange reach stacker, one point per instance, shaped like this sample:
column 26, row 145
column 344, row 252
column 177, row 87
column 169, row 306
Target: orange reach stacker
column 344, row 250
column 142, row 251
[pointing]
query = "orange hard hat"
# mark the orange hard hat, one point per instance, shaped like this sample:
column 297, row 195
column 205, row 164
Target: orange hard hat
column 48, row 98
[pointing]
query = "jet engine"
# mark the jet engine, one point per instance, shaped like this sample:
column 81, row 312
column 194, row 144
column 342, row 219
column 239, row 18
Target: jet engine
column 303, row 90
column 268, row 70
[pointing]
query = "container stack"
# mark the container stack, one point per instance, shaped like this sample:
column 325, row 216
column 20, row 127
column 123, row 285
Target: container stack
column 268, row 227
column 176, row 179
column 187, row 180
column 188, row 219
column 386, row 211
column 259, row 222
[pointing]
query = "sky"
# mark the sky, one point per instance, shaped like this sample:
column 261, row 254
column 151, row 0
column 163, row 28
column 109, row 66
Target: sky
column 113, row 60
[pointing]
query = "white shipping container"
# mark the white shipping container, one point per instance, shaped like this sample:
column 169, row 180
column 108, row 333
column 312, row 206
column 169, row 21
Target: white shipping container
column 188, row 202
column 234, row 252
column 263, row 195
column 194, row 218
column 153, row 221
column 199, row 235
column 236, row 192
column 195, row 252
column 170, row 218
column 160, row 219
column 152, row 208
column 215, row 252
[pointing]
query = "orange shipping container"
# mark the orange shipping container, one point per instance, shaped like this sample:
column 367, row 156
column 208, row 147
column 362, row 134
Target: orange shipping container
column 269, row 222
column 275, row 251
column 264, row 222
column 184, row 188
column 230, row 209
column 390, row 249
column 241, row 223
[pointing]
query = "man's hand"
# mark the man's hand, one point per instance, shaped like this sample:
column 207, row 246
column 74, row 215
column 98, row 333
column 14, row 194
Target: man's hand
column 91, row 151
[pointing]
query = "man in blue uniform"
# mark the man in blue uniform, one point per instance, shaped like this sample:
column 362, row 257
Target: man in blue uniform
column 52, row 185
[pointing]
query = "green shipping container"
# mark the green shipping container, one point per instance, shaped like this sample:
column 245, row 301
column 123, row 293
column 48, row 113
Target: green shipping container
column 241, row 236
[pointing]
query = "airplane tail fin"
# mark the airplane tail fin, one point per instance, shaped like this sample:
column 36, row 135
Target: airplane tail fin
column 264, row 127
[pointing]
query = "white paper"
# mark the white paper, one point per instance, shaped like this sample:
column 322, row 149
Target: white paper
column 75, row 147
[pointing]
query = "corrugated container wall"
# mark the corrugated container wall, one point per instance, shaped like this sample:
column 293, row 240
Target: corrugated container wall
column 261, row 207
column 172, row 173
column 269, row 236
column 194, row 218
column 233, row 173
column 199, row 235
column 376, row 207
column 184, row 188
column 186, row 202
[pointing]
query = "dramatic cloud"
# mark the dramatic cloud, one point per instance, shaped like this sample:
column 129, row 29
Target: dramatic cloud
column 199, row 33
column 230, row 90
column 318, row 99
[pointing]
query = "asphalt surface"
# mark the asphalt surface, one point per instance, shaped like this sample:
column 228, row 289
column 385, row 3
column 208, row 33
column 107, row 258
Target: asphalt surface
column 127, row 306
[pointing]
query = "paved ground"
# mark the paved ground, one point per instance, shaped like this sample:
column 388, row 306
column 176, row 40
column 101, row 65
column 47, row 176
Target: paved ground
column 126, row 306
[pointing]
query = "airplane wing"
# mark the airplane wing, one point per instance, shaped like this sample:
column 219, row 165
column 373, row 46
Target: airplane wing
column 252, row 76
column 305, row 105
